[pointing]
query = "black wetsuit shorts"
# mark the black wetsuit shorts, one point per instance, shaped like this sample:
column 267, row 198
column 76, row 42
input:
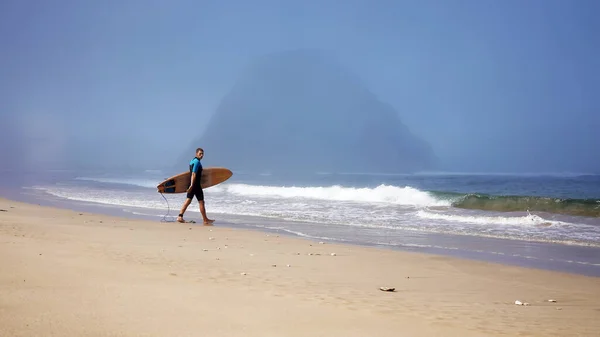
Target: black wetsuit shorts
column 196, row 192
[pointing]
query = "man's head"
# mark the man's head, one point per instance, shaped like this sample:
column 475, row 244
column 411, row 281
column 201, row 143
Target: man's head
column 199, row 152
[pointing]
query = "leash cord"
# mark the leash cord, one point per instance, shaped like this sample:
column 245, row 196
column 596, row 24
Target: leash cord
column 164, row 218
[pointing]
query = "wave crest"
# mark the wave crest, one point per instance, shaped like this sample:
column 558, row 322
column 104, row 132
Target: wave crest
column 578, row 207
column 381, row 194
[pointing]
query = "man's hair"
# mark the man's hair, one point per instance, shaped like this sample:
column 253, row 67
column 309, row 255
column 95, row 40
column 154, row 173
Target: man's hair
column 199, row 149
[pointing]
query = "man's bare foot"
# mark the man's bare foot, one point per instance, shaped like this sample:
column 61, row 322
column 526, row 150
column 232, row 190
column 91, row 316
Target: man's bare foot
column 180, row 219
column 208, row 221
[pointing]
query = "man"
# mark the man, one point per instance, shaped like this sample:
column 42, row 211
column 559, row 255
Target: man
column 195, row 188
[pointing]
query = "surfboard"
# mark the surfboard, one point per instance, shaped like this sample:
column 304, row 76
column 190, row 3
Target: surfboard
column 179, row 183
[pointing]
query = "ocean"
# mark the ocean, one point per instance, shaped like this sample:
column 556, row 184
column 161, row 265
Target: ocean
column 549, row 221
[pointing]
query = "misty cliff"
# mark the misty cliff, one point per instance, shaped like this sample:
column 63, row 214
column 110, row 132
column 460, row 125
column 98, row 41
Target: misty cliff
column 301, row 111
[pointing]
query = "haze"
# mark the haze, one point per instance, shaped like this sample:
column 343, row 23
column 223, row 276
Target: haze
column 493, row 86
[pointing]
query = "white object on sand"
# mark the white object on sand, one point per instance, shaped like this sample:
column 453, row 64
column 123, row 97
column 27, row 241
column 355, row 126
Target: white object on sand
column 521, row 303
column 553, row 301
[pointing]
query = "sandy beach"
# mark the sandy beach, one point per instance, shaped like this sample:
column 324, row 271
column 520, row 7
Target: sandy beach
column 66, row 273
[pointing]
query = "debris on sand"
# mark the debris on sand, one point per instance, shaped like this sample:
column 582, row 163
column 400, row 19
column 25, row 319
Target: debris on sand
column 387, row 289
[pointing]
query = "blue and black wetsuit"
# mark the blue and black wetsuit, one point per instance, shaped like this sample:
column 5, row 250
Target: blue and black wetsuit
column 196, row 167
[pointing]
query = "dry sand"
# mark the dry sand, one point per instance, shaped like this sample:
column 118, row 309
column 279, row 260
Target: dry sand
column 69, row 274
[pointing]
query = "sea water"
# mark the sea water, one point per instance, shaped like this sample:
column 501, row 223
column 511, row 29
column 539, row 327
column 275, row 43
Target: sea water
column 549, row 220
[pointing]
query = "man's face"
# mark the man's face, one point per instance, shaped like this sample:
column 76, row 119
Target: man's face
column 200, row 154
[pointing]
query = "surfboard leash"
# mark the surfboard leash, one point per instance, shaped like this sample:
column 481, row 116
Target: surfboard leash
column 164, row 218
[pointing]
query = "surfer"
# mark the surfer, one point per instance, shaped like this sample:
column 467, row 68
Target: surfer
column 195, row 188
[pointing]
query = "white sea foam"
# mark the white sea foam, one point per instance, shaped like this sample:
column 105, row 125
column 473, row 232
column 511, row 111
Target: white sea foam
column 381, row 194
column 527, row 220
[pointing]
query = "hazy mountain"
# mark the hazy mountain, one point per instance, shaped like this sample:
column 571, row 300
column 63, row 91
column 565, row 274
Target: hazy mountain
column 301, row 111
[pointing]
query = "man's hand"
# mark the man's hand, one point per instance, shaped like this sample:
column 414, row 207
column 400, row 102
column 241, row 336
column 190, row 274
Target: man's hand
column 189, row 189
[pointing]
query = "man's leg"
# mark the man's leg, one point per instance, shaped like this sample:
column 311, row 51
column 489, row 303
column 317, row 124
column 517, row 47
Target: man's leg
column 203, row 212
column 186, row 203
column 200, row 197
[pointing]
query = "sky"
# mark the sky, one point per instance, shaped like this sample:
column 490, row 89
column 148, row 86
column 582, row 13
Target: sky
column 493, row 86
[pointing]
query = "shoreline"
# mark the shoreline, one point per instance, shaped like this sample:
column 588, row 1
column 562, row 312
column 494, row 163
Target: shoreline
column 72, row 273
column 510, row 252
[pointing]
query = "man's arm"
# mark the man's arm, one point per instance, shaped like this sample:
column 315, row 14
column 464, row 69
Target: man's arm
column 194, row 171
column 193, row 178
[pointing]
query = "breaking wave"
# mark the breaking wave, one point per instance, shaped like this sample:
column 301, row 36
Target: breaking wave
column 578, row 207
